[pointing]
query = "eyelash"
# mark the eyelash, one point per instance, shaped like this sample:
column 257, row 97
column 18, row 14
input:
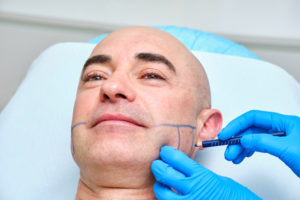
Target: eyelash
column 93, row 75
column 157, row 76
column 148, row 75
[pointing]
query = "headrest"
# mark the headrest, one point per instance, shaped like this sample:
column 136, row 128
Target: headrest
column 35, row 157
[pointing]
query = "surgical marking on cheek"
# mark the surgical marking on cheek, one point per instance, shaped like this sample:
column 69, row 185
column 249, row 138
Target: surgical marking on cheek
column 77, row 124
column 178, row 135
column 72, row 142
column 193, row 146
column 178, row 126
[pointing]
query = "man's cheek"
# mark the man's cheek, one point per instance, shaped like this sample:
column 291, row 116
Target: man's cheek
column 78, row 140
column 163, row 134
column 83, row 106
column 164, row 109
column 188, row 138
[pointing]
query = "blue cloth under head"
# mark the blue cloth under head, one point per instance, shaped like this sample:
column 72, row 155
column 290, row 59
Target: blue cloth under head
column 201, row 41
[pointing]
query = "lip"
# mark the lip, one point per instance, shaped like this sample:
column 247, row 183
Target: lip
column 115, row 118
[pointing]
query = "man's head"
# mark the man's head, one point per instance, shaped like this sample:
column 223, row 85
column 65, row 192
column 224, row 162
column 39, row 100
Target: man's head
column 140, row 89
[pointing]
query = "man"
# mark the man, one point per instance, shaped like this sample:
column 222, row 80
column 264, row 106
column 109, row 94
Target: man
column 140, row 89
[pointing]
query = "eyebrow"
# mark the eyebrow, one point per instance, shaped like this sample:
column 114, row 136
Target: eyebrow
column 96, row 59
column 147, row 57
column 150, row 57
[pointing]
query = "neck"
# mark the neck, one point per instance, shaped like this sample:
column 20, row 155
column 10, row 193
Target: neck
column 87, row 191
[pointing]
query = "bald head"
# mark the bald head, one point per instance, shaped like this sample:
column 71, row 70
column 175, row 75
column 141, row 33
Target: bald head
column 148, row 39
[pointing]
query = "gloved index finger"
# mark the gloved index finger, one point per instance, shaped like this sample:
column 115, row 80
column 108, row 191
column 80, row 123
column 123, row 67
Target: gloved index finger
column 178, row 160
column 254, row 118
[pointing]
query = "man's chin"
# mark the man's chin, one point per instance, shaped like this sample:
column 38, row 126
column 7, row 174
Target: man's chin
column 117, row 163
column 118, row 152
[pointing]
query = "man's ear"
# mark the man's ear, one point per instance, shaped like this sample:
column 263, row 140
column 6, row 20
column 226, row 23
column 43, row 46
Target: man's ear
column 209, row 124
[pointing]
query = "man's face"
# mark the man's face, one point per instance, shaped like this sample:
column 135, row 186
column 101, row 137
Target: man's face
column 136, row 94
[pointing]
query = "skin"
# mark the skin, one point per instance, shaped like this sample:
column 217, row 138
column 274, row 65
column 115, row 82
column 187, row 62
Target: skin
column 114, row 156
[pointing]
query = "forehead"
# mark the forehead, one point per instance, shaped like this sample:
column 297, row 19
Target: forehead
column 130, row 42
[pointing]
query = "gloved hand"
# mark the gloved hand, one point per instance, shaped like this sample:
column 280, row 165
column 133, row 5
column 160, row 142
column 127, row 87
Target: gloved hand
column 191, row 180
column 286, row 148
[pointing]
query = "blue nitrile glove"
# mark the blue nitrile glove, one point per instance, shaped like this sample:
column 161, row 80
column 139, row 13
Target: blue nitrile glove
column 286, row 148
column 191, row 180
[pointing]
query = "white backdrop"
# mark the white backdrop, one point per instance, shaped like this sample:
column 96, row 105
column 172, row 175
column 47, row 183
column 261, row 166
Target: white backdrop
column 269, row 28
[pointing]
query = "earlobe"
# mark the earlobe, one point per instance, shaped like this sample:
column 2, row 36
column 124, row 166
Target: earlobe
column 209, row 124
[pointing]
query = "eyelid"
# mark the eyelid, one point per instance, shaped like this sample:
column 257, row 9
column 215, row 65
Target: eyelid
column 153, row 71
column 88, row 75
column 97, row 67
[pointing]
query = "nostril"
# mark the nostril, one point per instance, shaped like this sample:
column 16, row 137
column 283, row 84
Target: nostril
column 121, row 95
column 106, row 96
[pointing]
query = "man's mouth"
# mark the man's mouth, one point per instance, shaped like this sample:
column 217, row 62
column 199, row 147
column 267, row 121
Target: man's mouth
column 116, row 119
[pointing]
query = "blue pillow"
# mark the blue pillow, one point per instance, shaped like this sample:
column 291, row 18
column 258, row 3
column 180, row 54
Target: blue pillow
column 201, row 41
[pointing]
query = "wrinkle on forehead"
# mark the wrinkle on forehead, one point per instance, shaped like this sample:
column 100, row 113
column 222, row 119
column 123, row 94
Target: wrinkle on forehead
column 151, row 38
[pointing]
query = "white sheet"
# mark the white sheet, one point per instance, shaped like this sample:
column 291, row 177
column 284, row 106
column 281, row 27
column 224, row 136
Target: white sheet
column 35, row 157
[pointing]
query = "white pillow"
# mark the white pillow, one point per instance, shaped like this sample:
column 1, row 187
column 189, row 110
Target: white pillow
column 35, row 158
column 241, row 84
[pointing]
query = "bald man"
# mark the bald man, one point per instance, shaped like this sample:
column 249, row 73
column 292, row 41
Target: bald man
column 140, row 89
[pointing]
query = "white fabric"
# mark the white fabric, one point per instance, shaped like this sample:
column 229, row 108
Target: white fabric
column 242, row 84
column 35, row 158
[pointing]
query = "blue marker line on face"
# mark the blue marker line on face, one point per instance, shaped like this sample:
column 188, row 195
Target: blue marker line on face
column 77, row 124
column 193, row 146
column 178, row 135
column 72, row 128
column 178, row 126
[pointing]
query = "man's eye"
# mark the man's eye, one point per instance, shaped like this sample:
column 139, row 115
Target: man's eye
column 95, row 76
column 152, row 75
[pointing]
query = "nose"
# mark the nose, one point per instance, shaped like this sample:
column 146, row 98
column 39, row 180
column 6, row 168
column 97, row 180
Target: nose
column 117, row 88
